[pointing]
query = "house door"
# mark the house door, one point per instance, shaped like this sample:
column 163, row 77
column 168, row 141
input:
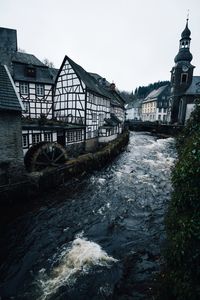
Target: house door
column 61, row 137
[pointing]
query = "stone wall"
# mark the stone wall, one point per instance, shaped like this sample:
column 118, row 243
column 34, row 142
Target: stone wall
column 41, row 182
column 75, row 149
column 11, row 155
column 91, row 145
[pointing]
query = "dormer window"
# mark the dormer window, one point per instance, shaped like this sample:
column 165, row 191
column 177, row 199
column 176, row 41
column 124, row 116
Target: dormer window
column 30, row 72
column 184, row 78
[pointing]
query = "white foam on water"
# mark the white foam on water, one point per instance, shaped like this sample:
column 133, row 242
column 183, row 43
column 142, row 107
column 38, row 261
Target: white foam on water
column 73, row 261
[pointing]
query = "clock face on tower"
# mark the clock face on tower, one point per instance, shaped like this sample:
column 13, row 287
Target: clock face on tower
column 185, row 68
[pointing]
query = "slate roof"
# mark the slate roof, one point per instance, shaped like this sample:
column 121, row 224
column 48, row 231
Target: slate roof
column 25, row 58
column 17, row 63
column 194, row 88
column 155, row 93
column 112, row 121
column 8, row 97
column 43, row 73
column 137, row 103
column 90, row 82
column 116, row 98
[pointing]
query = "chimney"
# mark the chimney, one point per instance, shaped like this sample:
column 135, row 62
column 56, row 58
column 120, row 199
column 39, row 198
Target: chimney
column 112, row 86
column 8, row 39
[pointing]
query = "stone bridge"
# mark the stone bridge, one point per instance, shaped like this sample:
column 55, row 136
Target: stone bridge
column 155, row 127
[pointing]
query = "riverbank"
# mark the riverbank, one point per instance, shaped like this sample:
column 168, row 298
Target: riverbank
column 40, row 182
column 180, row 279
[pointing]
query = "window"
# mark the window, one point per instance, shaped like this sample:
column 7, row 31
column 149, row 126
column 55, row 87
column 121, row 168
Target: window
column 70, row 136
column 79, row 135
column 47, row 137
column 40, row 90
column 89, row 133
column 94, row 117
column 26, row 107
column 25, row 140
column 35, row 138
column 24, row 88
column 30, row 72
column 101, row 119
column 165, row 103
column 184, row 78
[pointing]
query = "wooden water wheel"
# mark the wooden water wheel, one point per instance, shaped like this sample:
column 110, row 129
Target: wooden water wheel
column 44, row 155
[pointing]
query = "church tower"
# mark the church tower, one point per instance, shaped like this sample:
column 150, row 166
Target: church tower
column 181, row 73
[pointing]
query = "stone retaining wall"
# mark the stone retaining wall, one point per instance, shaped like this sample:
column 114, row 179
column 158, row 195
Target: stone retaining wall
column 40, row 182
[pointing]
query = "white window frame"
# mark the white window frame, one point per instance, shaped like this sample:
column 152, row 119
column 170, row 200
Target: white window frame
column 26, row 106
column 94, row 117
column 79, row 135
column 25, row 140
column 24, row 88
column 39, row 89
column 47, row 136
column 70, row 136
column 36, row 138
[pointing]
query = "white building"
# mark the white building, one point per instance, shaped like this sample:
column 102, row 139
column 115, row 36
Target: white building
column 155, row 106
column 81, row 100
column 134, row 110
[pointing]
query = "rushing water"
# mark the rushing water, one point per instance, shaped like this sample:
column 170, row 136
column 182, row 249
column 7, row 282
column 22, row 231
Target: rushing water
column 95, row 238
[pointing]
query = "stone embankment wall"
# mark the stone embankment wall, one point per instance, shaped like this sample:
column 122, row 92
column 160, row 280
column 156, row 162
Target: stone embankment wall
column 44, row 181
column 11, row 156
column 84, row 163
column 156, row 128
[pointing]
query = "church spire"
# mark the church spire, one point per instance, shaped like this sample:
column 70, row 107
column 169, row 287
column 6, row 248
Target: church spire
column 184, row 46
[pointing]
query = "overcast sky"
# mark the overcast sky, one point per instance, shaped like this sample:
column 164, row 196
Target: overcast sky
column 129, row 42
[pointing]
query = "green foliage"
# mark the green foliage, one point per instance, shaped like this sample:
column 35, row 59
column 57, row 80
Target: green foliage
column 183, row 218
column 142, row 91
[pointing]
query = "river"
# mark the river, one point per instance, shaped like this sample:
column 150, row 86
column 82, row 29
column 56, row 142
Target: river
column 98, row 237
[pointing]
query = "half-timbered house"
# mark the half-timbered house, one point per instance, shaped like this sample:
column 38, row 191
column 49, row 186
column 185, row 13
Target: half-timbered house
column 115, row 124
column 66, row 107
column 81, row 100
column 34, row 81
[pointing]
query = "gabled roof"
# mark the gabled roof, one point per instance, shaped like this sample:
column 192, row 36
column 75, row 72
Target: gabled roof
column 44, row 74
column 17, row 63
column 9, row 99
column 155, row 93
column 112, row 121
column 25, row 58
column 116, row 98
column 90, row 82
column 194, row 88
column 135, row 104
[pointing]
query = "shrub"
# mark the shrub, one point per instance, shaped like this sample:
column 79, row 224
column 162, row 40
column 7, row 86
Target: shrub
column 182, row 255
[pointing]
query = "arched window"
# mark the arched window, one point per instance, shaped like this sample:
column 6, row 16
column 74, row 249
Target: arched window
column 184, row 77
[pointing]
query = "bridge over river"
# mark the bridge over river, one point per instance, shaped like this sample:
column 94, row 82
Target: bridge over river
column 98, row 237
